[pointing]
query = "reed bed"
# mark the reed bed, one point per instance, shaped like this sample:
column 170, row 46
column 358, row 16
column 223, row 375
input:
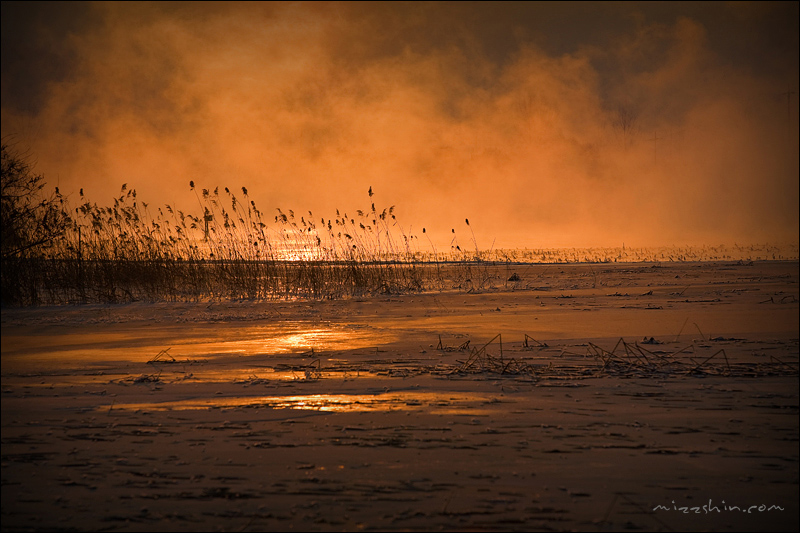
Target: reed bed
column 228, row 249
column 627, row 254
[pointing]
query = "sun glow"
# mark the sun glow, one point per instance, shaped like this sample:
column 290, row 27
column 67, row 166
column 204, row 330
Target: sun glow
column 467, row 403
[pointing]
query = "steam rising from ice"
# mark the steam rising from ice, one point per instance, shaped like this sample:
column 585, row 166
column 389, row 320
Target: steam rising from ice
column 544, row 125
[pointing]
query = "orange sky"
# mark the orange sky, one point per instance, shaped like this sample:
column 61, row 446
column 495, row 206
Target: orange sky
column 544, row 124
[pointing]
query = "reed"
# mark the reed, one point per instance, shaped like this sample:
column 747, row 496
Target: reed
column 227, row 249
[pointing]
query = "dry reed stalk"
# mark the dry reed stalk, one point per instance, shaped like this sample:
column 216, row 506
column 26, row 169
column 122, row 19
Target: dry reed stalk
column 460, row 348
column 720, row 351
column 528, row 338
column 160, row 355
column 775, row 359
column 481, row 361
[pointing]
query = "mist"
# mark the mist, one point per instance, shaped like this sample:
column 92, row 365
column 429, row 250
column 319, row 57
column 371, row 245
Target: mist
column 545, row 125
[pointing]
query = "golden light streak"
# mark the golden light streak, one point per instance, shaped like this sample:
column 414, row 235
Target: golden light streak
column 466, row 403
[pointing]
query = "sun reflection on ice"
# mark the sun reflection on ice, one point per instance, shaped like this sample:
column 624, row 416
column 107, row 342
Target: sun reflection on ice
column 316, row 339
column 322, row 339
column 390, row 401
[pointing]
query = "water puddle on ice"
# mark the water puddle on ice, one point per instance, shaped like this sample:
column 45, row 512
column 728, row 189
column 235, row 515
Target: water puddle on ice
column 245, row 376
column 390, row 401
column 102, row 349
